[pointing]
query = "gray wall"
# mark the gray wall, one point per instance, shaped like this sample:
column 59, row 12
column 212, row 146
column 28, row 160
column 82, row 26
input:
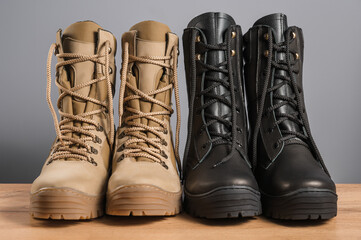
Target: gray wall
column 331, row 70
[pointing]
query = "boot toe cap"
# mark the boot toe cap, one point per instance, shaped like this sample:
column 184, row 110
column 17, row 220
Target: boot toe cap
column 294, row 169
column 76, row 175
column 129, row 172
column 205, row 177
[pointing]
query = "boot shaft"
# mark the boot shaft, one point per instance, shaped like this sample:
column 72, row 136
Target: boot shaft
column 212, row 45
column 149, row 38
column 85, row 75
column 150, row 52
column 86, row 38
column 274, row 57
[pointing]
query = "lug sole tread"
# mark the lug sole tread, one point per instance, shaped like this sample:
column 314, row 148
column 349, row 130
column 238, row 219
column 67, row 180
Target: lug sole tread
column 225, row 203
column 65, row 204
column 303, row 205
column 143, row 200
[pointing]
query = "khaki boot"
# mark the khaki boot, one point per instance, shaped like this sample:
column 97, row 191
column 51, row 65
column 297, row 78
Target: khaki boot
column 145, row 179
column 73, row 179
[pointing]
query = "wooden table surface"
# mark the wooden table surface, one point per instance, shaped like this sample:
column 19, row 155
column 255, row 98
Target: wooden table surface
column 16, row 223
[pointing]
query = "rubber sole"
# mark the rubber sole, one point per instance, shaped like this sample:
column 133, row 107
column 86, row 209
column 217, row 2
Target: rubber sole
column 225, row 202
column 301, row 205
column 65, row 204
column 143, row 200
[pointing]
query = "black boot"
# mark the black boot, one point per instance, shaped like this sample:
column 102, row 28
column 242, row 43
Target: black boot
column 219, row 182
column 291, row 174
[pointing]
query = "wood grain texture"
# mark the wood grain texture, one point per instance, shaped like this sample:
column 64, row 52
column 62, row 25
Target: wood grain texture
column 16, row 223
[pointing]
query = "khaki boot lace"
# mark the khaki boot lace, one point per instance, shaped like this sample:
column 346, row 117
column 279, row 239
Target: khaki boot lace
column 63, row 146
column 130, row 148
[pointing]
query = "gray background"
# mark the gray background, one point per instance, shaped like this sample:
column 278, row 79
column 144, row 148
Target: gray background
column 332, row 65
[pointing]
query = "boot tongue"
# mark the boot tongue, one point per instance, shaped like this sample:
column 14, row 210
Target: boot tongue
column 151, row 41
column 80, row 38
column 278, row 22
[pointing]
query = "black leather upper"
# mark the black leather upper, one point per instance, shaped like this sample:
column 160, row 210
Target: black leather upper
column 205, row 178
column 200, row 156
column 294, row 163
column 278, row 23
column 214, row 27
column 294, row 169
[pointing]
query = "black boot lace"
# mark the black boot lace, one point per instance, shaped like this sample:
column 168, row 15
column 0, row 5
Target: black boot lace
column 227, row 82
column 288, row 65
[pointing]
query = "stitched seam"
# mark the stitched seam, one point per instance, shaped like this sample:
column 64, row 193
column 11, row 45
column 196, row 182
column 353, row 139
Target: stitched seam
column 147, row 186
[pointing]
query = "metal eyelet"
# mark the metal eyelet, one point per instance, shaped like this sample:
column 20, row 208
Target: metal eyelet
column 109, row 49
column 165, row 131
column 266, row 53
column 93, row 150
column 276, row 145
column 270, row 130
column 110, row 70
column 164, row 142
column 198, row 57
column 233, row 53
column 198, row 38
column 297, row 56
column 120, row 158
column 121, row 135
column 93, row 162
column 239, row 130
column 293, row 35
column 100, row 128
column 121, row 148
column 164, row 165
column 234, row 34
column 266, row 36
column 97, row 140
column 204, row 146
column 163, row 154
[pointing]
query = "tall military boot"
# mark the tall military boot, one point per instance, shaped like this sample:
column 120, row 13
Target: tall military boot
column 291, row 174
column 219, row 182
column 145, row 180
column 72, row 183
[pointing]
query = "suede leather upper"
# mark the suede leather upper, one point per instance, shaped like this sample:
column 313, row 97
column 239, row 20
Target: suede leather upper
column 148, row 38
column 82, row 38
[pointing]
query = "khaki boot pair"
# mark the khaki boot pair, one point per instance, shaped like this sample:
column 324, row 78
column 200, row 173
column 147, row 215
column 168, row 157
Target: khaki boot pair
column 140, row 156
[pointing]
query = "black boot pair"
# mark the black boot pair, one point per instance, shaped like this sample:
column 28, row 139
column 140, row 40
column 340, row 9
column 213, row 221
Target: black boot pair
column 234, row 160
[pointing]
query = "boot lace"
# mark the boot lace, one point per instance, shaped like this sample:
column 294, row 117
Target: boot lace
column 63, row 147
column 227, row 82
column 287, row 65
column 130, row 148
